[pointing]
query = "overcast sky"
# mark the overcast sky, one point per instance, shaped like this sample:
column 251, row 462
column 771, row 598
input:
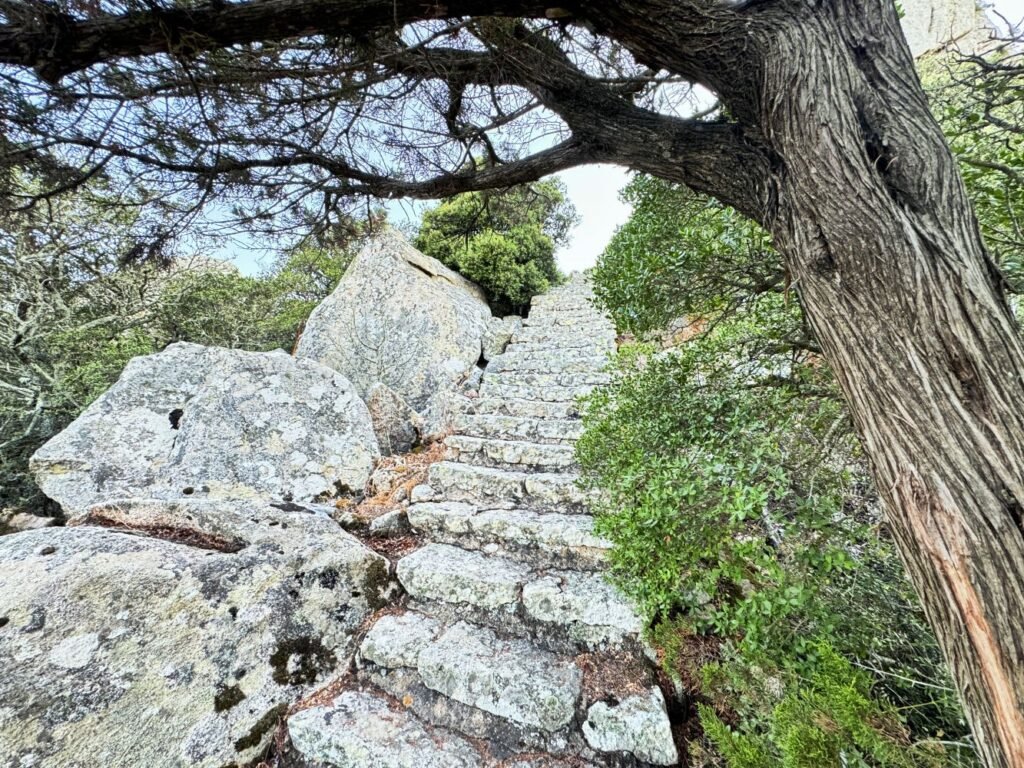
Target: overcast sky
column 594, row 190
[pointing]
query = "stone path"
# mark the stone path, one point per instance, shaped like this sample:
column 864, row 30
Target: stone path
column 511, row 648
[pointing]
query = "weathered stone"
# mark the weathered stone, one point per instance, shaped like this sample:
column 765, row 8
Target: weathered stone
column 396, row 641
column 484, row 485
column 360, row 730
column 217, row 423
column 505, row 390
column 453, row 575
column 176, row 636
column 514, row 454
column 422, row 493
column 571, row 379
column 509, row 678
column 25, row 521
column 543, row 538
column 550, row 429
column 390, row 524
column 498, row 334
column 520, row 408
column 637, row 724
column 396, row 425
column 402, row 319
column 593, row 609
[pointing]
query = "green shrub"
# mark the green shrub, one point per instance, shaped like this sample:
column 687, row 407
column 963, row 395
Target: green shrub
column 743, row 519
column 503, row 241
column 830, row 718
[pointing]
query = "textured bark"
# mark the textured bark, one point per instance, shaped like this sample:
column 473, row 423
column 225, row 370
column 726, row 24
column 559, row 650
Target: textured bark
column 874, row 222
column 830, row 146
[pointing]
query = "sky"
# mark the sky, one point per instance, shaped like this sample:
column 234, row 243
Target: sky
column 594, row 190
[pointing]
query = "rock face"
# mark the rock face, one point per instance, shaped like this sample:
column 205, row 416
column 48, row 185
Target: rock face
column 510, row 642
column 216, row 423
column 402, row 319
column 396, row 425
column 175, row 633
column 499, row 333
column 932, row 24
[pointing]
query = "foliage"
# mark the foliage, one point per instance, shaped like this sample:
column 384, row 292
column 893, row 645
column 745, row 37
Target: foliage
column 503, row 241
column 223, row 308
column 721, row 501
column 678, row 255
column 741, row 512
column 979, row 102
column 832, row 719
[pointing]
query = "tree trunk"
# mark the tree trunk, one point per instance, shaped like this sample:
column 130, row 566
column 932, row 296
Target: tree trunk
column 875, row 226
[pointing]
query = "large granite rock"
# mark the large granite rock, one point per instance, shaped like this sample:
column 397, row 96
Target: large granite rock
column 402, row 319
column 217, row 423
column 176, row 635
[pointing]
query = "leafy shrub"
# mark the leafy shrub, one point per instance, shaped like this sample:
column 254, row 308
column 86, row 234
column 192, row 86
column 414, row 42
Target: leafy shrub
column 742, row 515
column 831, row 719
column 503, row 241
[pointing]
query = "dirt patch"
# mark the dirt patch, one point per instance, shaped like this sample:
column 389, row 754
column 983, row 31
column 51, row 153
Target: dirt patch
column 175, row 533
column 613, row 675
column 395, row 477
column 395, row 547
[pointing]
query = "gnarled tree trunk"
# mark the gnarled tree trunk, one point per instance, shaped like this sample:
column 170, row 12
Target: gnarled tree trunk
column 872, row 218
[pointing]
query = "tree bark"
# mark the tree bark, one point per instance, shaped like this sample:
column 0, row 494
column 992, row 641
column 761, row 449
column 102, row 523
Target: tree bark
column 874, row 223
column 868, row 209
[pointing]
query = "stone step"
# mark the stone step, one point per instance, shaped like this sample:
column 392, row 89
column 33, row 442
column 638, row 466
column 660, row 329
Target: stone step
column 509, row 454
column 488, row 486
column 554, row 361
column 563, row 610
column 518, row 408
column 454, row 575
column 360, row 729
column 535, row 429
column 539, row 539
column 573, row 315
column 572, row 379
column 601, row 346
column 522, row 351
column 511, row 679
column 518, row 700
column 566, row 326
column 561, row 337
column 561, row 299
column 496, row 388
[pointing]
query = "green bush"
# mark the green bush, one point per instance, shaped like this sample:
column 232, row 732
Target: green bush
column 830, row 719
column 742, row 515
column 503, row 241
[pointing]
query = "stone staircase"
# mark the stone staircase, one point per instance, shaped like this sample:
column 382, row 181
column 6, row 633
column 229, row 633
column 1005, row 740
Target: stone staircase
column 511, row 648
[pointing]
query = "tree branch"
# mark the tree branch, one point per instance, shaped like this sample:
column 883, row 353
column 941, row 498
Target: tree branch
column 56, row 44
